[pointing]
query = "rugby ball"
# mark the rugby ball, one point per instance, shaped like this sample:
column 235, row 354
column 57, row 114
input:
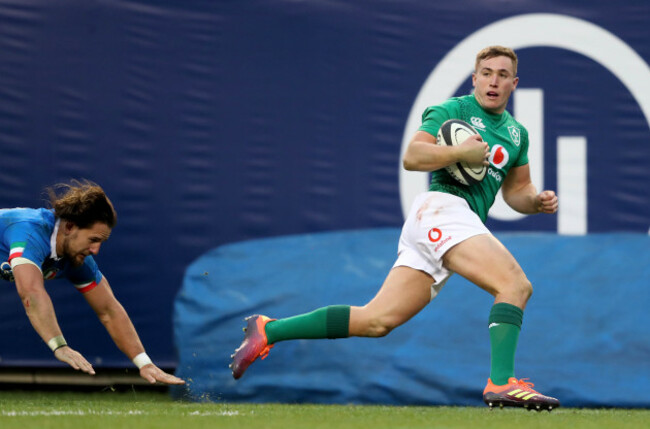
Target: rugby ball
column 452, row 133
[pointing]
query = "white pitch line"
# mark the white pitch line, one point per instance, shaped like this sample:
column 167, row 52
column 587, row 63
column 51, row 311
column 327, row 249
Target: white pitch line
column 214, row 413
column 70, row 413
column 105, row 413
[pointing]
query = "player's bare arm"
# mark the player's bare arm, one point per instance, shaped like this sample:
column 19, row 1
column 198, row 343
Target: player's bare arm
column 423, row 154
column 520, row 193
column 119, row 326
column 40, row 311
column 114, row 318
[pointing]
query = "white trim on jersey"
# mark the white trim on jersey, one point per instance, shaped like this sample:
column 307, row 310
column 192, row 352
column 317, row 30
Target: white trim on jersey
column 21, row 261
column 53, row 240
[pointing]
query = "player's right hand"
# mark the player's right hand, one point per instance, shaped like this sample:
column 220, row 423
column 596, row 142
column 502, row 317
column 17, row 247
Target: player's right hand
column 153, row 374
column 474, row 150
column 74, row 359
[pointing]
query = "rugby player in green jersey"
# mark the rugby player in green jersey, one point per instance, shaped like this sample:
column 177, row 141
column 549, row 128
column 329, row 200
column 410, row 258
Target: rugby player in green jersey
column 445, row 233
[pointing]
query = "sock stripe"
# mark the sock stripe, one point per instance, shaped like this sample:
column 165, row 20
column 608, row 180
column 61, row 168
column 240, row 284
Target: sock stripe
column 506, row 313
column 338, row 321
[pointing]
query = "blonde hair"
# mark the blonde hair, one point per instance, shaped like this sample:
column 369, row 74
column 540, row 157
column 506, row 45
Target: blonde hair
column 497, row 51
column 83, row 203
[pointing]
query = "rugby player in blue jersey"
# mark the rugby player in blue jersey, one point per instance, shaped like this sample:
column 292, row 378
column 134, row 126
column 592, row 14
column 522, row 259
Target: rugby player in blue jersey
column 43, row 244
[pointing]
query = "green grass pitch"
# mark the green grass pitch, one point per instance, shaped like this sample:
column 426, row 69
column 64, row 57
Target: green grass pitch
column 148, row 409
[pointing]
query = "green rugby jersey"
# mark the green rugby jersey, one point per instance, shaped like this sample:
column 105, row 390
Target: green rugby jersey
column 507, row 138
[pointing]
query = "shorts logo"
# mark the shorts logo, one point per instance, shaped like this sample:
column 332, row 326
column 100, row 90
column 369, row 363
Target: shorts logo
column 499, row 156
column 442, row 243
column 434, row 234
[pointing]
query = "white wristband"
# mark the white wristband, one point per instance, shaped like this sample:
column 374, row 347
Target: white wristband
column 56, row 343
column 141, row 360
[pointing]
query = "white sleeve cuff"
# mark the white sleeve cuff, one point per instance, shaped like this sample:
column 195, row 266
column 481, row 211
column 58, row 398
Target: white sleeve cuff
column 21, row 261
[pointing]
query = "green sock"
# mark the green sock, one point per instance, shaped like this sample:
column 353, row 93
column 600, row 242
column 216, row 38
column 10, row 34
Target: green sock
column 505, row 324
column 326, row 322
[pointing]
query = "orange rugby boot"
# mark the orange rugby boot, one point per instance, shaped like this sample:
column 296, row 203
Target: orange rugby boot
column 255, row 345
column 517, row 393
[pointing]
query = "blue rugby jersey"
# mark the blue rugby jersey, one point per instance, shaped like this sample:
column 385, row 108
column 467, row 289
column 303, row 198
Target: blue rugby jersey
column 28, row 233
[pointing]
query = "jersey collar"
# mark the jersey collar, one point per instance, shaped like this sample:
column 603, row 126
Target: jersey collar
column 53, row 254
column 496, row 118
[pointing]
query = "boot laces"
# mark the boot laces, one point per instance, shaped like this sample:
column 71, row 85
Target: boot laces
column 265, row 351
column 526, row 384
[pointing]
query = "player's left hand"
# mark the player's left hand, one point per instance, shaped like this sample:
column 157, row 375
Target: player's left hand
column 153, row 374
column 547, row 202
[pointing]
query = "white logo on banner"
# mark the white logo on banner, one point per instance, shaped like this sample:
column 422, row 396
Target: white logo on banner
column 537, row 29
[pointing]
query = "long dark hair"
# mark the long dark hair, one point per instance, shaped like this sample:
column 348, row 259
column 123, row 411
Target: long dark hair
column 83, row 203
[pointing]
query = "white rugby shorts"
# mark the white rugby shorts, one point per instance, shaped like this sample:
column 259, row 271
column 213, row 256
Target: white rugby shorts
column 437, row 222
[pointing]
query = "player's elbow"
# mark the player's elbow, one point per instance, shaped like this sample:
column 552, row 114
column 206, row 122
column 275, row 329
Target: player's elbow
column 110, row 312
column 521, row 205
column 30, row 298
column 409, row 164
column 513, row 201
column 412, row 160
column 27, row 301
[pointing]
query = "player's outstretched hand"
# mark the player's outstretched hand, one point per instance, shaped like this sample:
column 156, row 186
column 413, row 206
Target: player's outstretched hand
column 153, row 374
column 547, row 202
column 74, row 359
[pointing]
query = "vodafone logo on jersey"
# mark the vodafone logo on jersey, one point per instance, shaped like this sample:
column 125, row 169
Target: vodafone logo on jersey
column 434, row 235
column 499, row 156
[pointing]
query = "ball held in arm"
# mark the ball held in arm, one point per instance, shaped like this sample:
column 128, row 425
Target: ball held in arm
column 453, row 132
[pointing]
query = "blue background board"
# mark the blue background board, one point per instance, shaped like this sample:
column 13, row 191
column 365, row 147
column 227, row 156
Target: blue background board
column 213, row 122
column 584, row 337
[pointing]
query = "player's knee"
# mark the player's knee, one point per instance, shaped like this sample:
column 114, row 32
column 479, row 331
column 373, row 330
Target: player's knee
column 381, row 326
column 517, row 292
column 525, row 290
column 379, row 331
